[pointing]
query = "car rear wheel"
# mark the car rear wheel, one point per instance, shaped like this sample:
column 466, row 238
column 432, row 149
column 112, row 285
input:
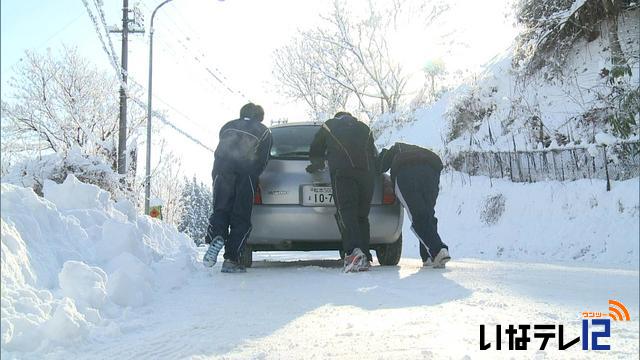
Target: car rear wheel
column 389, row 254
column 246, row 258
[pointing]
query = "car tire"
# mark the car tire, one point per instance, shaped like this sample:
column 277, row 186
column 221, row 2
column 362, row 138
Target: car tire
column 389, row 254
column 246, row 259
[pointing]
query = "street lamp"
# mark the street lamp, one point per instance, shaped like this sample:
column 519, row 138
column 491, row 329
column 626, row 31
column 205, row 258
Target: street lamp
column 147, row 185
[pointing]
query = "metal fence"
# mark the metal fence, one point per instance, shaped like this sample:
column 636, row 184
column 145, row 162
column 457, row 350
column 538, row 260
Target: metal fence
column 611, row 162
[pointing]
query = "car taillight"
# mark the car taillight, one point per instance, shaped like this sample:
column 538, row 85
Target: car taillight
column 388, row 195
column 257, row 199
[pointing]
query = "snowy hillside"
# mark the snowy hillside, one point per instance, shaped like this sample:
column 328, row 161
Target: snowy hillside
column 549, row 108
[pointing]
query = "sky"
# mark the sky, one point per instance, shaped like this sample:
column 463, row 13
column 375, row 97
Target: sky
column 234, row 39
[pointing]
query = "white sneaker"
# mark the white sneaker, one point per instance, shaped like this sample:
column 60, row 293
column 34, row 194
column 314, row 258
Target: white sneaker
column 441, row 259
column 211, row 256
column 428, row 263
column 355, row 261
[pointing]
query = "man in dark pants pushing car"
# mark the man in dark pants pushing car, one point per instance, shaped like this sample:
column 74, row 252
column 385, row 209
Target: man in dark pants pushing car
column 415, row 172
column 347, row 145
column 241, row 156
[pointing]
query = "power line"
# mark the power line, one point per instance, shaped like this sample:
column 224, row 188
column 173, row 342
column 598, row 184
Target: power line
column 61, row 30
column 164, row 120
column 216, row 74
column 112, row 59
column 56, row 33
column 180, row 58
column 114, row 63
column 186, row 117
column 106, row 29
column 177, row 58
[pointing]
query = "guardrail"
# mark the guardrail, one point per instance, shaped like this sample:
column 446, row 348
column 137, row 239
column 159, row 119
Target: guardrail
column 617, row 161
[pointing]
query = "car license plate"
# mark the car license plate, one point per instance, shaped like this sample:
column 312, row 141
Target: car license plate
column 317, row 195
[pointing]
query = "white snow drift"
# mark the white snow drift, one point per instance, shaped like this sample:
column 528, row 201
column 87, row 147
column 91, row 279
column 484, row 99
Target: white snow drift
column 71, row 263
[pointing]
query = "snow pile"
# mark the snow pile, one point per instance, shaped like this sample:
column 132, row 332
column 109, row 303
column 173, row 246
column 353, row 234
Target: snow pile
column 73, row 261
column 91, row 169
column 549, row 221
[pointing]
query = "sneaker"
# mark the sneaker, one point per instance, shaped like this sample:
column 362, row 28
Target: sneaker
column 427, row 263
column 441, row 259
column 211, row 256
column 355, row 261
column 230, row 266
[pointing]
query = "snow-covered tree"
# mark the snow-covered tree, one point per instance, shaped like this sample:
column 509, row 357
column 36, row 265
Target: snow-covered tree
column 434, row 71
column 196, row 204
column 349, row 57
column 551, row 27
column 59, row 100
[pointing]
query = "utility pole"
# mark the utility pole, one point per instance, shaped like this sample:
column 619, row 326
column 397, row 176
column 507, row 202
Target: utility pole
column 122, row 128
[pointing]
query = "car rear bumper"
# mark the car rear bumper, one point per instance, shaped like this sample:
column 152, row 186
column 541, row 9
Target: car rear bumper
column 291, row 226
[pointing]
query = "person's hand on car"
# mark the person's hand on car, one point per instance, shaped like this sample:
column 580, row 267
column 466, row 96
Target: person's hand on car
column 313, row 168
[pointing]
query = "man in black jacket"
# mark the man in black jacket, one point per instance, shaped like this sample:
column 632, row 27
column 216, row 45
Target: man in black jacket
column 416, row 173
column 347, row 145
column 241, row 156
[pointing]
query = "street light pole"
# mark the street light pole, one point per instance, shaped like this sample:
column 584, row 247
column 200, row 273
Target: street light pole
column 147, row 185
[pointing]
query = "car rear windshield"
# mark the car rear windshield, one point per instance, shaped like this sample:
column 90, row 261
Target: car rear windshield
column 292, row 142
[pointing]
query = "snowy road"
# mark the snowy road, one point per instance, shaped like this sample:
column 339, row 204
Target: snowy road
column 83, row 277
column 307, row 309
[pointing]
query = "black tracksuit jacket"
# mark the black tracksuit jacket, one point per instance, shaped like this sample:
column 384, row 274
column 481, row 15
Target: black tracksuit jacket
column 347, row 145
column 241, row 156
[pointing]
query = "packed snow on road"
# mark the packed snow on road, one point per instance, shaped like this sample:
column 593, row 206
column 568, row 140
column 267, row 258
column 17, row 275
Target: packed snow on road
column 86, row 277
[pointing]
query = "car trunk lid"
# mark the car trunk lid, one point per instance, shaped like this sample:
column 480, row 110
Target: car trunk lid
column 282, row 181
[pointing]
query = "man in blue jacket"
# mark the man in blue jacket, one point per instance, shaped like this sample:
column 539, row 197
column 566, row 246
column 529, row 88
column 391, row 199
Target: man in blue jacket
column 241, row 156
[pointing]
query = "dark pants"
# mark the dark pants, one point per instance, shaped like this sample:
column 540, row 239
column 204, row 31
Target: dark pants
column 233, row 196
column 352, row 192
column 417, row 189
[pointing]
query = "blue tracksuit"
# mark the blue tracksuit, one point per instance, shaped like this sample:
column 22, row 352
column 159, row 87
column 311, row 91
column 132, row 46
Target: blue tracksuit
column 240, row 158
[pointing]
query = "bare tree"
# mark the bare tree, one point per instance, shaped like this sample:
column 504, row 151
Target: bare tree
column 433, row 71
column 350, row 53
column 167, row 185
column 294, row 68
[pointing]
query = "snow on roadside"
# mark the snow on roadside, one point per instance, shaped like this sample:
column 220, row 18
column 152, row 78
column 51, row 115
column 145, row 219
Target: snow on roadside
column 73, row 262
column 551, row 221
column 92, row 169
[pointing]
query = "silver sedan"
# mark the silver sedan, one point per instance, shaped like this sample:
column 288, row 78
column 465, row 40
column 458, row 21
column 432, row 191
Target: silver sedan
column 294, row 210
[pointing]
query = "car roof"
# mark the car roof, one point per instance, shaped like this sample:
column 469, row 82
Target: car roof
column 302, row 123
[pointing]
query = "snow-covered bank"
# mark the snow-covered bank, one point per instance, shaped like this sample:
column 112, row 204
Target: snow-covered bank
column 76, row 260
column 576, row 221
